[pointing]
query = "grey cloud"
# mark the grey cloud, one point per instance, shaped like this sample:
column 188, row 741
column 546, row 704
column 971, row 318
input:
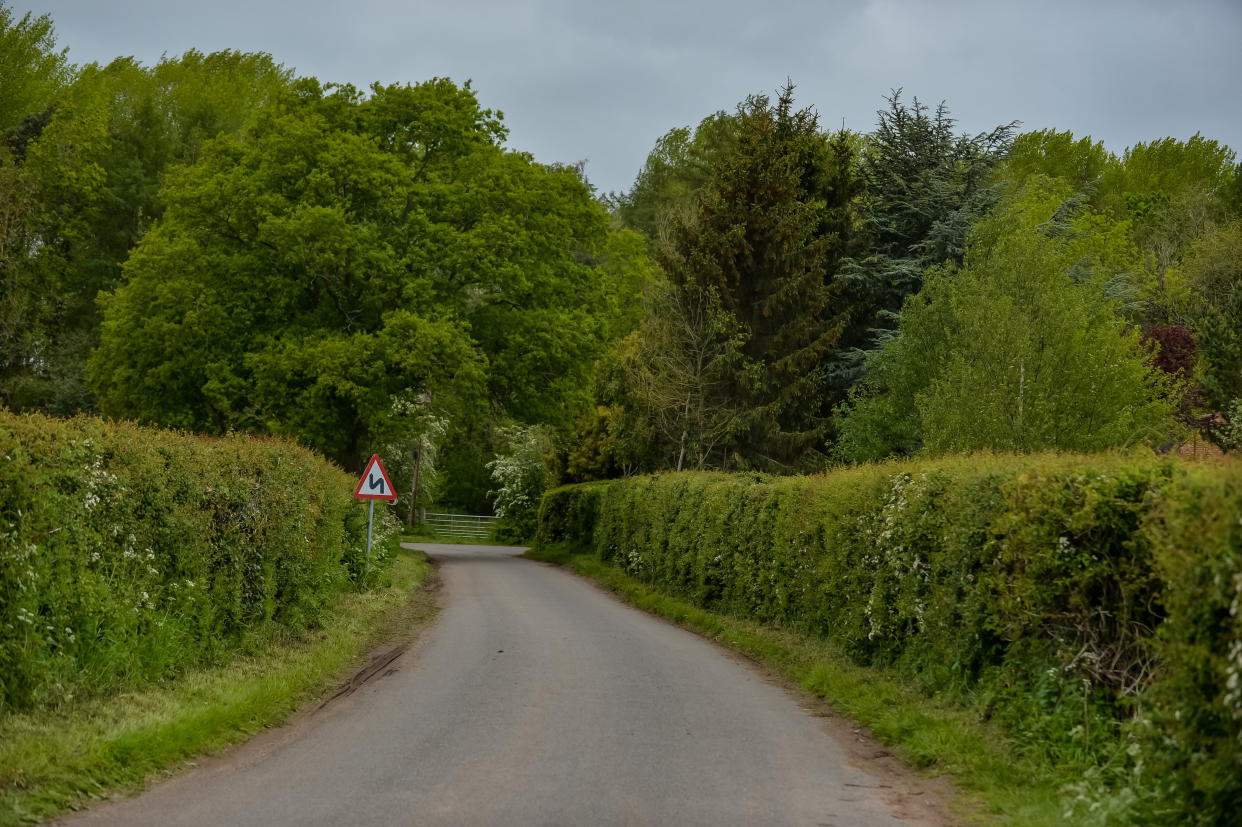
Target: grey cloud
column 602, row 80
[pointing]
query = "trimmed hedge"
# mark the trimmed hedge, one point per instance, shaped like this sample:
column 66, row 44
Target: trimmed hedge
column 1090, row 604
column 128, row 554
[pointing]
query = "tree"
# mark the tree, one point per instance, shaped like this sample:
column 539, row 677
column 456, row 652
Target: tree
column 1220, row 361
column 92, row 166
column 765, row 236
column 684, row 365
column 1079, row 162
column 520, row 474
column 1171, row 191
column 1020, row 349
column 1209, row 286
column 675, row 170
column 346, row 255
column 925, row 188
column 32, row 71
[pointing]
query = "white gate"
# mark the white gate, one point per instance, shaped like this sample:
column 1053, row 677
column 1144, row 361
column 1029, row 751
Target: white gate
column 461, row 526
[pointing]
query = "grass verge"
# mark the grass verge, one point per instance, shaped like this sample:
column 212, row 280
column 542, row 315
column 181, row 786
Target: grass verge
column 999, row 784
column 56, row 760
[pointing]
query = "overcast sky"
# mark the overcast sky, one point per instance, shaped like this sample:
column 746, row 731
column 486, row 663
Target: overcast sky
column 602, row 80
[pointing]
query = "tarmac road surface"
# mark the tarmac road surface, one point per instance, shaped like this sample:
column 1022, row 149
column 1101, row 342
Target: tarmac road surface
column 536, row 699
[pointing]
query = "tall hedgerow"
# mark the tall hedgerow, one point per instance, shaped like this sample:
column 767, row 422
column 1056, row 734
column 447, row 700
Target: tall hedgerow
column 128, row 554
column 1092, row 605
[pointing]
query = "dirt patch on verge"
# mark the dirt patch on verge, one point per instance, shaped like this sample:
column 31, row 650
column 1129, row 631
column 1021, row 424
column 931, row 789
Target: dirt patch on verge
column 408, row 622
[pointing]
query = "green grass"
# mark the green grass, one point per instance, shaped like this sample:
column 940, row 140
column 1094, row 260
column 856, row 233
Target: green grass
column 998, row 785
column 53, row 760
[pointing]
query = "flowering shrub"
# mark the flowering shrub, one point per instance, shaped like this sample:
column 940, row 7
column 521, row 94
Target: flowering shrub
column 128, row 553
column 1091, row 605
column 1230, row 435
column 521, row 477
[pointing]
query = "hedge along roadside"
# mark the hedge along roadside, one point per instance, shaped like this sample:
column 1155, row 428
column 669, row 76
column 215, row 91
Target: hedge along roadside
column 130, row 553
column 1090, row 604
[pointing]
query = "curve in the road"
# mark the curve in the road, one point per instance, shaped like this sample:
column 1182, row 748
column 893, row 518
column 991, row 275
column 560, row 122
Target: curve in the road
column 538, row 700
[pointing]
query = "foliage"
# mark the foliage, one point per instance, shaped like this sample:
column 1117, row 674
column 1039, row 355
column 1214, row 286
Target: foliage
column 1229, row 436
column 1022, row 349
column 971, row 753
column 58, row 759
column 32, row 71
column 1174, row 349
column 1082, row 603
column 1079, row 163
column 310, row 278
column 1170, row 191
column 427, row 449
column 925, row 188
column 466, row 480
column 764, row 236
column 132, row 553
column 568, row 514
column 1220, row 359
column 89, row 171
column 1204, row 290
column 521, row 476
column 618, row 438
column 678, row 167
column 685, row 366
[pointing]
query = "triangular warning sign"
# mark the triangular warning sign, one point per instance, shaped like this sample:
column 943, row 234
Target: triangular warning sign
column 375, row 484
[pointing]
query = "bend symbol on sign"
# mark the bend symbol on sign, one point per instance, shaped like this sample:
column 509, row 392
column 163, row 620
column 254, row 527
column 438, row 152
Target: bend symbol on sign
column 375, row 484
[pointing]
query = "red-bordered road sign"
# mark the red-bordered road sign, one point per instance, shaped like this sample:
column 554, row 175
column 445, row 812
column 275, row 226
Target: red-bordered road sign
column 375, row 484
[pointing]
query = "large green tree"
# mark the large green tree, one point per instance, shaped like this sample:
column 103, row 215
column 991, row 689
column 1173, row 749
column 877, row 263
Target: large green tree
column 766, row 236
column 926, row 185
column 675, row 170
column 32, row 69
column 350, row 257
column 90, row 170
column 1022, row 348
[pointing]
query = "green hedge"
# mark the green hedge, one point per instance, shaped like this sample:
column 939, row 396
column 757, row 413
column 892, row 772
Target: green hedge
column 128, row 553
column 1090, row 604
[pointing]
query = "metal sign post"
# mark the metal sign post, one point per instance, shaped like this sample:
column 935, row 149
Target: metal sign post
column 377, row 487
column 366, row 561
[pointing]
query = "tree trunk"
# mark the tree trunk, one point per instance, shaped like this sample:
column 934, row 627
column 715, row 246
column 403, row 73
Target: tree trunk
column 418, row 465
column 681, row 452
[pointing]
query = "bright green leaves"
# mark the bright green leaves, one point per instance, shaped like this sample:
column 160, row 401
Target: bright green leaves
column 676, row 169
column 431, row 124
column 92, row 165
column 32, row 71
column 338, row 391
column 344, row 259
column 1023, row 348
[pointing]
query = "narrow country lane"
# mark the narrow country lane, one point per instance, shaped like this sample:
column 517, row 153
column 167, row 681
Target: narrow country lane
column 535, row 699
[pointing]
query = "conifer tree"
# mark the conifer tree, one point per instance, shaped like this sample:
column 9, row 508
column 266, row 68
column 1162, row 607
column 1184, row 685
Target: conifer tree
column 926, row 187
column 766, row 235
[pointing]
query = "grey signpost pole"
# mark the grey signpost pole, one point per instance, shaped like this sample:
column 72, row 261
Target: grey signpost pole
column 366, row 561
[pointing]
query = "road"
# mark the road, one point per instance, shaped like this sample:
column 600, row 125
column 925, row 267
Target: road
column 536, row 699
